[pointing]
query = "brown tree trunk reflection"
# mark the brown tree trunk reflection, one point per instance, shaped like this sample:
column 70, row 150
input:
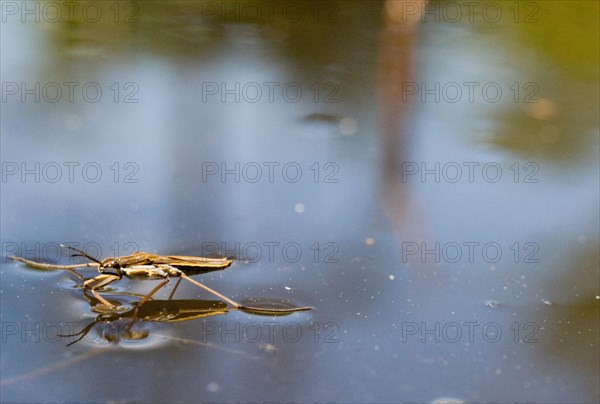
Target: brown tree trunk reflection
column 399, row 38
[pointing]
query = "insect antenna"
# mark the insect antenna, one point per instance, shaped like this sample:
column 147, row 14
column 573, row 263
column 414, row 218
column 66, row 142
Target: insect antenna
column 81, row 253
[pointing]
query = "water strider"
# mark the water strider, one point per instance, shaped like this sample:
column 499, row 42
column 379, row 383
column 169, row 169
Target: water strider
column 147, row 266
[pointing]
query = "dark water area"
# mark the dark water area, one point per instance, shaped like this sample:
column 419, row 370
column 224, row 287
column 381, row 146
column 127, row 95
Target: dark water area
column 424, row 176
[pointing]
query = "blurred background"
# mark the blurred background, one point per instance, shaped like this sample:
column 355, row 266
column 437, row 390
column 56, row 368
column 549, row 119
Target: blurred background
column 425, row 175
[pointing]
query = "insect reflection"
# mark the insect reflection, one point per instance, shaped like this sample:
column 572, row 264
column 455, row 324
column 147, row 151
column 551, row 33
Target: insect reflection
column 129, row 324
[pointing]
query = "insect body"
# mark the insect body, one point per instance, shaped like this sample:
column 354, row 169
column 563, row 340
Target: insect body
column 147, row 266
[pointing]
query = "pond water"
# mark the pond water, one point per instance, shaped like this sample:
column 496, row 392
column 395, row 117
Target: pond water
column 424, row 176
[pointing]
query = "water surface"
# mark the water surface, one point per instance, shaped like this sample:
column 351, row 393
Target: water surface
column 447, row 240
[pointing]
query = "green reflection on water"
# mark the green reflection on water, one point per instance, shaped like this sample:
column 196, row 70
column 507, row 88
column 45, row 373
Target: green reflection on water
column 555, row 112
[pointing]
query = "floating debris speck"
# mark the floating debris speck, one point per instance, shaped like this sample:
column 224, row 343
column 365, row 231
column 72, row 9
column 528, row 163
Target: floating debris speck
column 299, row 208
column 268, row 348
column 348, row 126
column 492, row 303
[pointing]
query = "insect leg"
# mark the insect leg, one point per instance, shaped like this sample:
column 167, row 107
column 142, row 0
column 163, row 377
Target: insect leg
column 175, row 288
column 153, row 291
column 98, row 282
column 145, row 299
column 41, row 265
column 226, row 299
